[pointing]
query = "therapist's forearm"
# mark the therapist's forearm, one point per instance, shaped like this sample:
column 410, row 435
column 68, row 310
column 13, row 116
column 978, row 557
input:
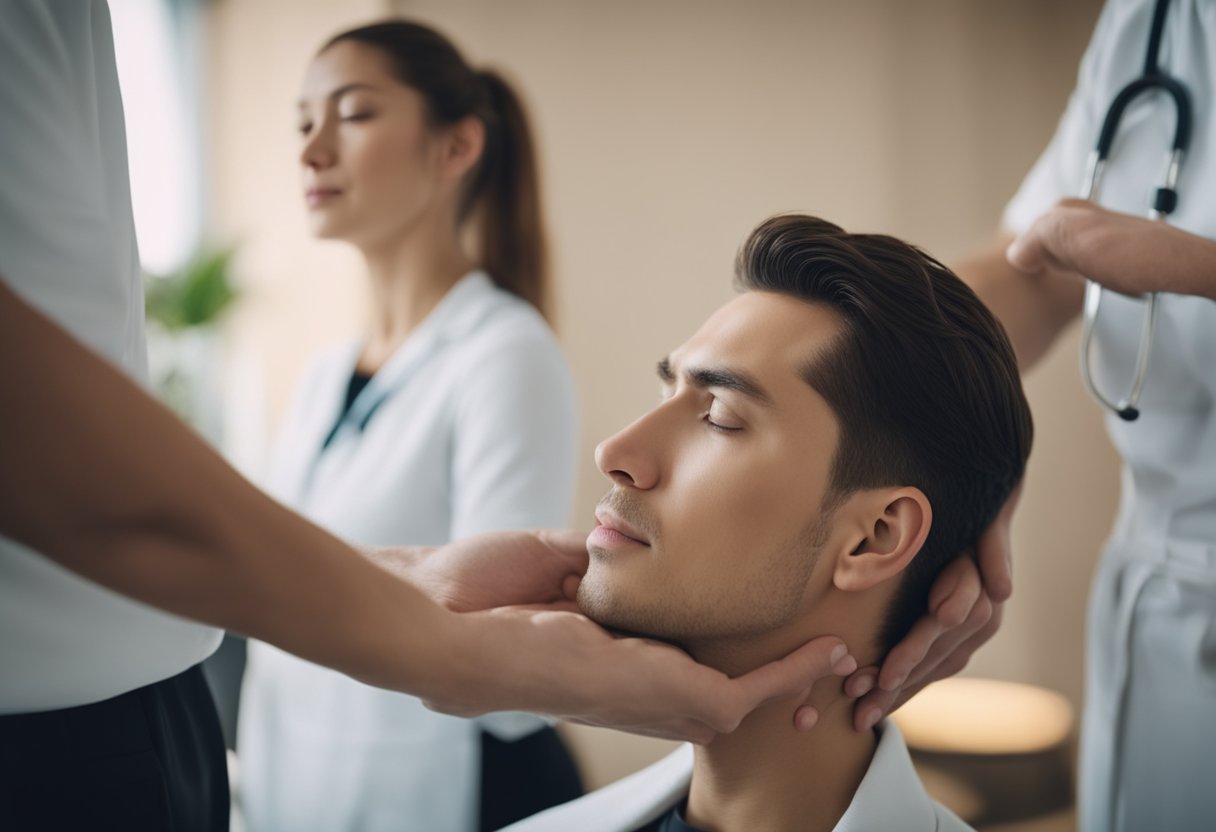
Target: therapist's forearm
column 1034, row 309
column 1122, row 252
column 102, row 479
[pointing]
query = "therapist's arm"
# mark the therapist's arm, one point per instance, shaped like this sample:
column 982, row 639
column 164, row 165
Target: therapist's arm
column 1033, row 308
column 104, row 480
column 1125, row 253
column 98, row 477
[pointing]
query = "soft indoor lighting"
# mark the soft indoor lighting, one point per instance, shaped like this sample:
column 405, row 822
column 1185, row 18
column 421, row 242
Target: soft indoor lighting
column 992, row 751
column 984, row 716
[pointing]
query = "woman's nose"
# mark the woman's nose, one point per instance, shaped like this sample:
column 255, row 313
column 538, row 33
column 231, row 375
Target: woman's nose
column 318, row 151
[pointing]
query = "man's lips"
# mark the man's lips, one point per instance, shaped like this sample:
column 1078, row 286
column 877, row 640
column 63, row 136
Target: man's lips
column 613, row 529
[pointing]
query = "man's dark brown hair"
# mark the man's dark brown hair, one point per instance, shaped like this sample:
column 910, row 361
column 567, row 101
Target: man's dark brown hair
column 922, row 379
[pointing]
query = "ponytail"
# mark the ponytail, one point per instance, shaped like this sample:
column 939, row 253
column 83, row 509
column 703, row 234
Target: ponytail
column 502, row 197
column 510, row 231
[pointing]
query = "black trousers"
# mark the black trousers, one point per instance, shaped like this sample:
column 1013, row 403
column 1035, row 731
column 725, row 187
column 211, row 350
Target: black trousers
column 148, row 760
column 521, row 778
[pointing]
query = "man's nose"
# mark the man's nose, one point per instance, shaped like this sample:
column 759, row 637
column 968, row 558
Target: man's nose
column 629, row 458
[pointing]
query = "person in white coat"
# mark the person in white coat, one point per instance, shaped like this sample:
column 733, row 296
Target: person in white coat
column 1148, row 743
column 852, row 421
column 452, row 414
column 1148, row 740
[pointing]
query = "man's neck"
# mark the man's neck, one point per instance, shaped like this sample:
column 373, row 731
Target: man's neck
column 766, row 775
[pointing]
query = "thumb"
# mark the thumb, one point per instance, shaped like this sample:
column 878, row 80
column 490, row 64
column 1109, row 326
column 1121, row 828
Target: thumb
column 1027, row 253
column 793, row 675
column 570, row 546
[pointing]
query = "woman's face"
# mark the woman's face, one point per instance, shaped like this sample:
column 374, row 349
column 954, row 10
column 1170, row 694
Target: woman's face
column 373, row 168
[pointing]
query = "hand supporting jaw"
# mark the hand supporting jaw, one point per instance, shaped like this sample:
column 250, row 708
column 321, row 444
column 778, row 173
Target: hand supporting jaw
column 520, row 646
column 563, row 664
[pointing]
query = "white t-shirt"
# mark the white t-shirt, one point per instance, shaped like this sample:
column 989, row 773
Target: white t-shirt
column 67, row 246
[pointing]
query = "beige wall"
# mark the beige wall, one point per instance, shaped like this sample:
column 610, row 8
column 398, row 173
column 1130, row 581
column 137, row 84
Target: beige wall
column 668, row 130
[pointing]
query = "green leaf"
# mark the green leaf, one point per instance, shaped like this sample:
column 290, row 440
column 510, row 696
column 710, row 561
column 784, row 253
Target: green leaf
column 195, row 295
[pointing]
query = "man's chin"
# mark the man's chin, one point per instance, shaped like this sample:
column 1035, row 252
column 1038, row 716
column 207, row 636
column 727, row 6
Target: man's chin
column 602, row 607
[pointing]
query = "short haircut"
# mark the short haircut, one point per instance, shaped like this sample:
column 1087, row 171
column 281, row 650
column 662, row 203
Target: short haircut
column 922, row 379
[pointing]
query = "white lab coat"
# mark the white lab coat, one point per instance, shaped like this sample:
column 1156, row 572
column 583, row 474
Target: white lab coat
column 1149, row 733
column 472, row 427
column 890, row 797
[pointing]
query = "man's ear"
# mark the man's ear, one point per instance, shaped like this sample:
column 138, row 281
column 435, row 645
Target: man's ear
column 463, row 144
column 892, row 527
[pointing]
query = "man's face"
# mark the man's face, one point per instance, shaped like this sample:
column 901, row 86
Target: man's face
column 710, row 530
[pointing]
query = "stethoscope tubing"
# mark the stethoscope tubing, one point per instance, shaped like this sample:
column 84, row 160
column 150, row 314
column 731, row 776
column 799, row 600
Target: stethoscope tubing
column 1165, row 199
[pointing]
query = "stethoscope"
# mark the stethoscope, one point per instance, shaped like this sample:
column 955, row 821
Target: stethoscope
column 1164, row 201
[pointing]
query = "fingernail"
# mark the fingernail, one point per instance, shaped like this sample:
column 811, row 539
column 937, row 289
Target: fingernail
column 871, row 719
column 845, row 666
column 838, row 653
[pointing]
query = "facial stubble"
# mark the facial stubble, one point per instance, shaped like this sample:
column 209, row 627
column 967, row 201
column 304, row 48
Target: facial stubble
column 766, row 595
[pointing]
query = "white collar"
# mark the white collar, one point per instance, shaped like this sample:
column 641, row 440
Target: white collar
column 890, row 797
column 459, row 311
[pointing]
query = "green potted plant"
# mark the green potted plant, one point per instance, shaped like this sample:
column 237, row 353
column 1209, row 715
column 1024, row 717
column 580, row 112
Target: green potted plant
column 184, row 311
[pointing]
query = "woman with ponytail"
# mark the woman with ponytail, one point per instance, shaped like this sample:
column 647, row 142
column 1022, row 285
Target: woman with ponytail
column 452, row 414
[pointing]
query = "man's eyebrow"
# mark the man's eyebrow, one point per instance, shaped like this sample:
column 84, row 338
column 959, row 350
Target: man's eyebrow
column 720, row 377
column 343, row 90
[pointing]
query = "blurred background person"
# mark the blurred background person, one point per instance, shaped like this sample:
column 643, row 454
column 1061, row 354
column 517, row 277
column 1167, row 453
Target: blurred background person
column 452, row 413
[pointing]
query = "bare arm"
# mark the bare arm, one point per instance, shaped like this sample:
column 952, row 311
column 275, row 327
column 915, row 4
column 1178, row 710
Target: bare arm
column 103, row 480
column 1125, row 253
column 1033, row 308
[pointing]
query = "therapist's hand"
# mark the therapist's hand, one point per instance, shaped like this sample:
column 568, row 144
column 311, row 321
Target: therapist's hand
column 560, row 663
column 497, row 569
column 965, row 608
column 1125, row 253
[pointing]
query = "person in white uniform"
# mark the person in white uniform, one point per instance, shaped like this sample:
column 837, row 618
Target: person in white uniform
column 1148, row 740
column 106, row 721
column 853, row 420
column 452, row 414
column 1148, row 744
